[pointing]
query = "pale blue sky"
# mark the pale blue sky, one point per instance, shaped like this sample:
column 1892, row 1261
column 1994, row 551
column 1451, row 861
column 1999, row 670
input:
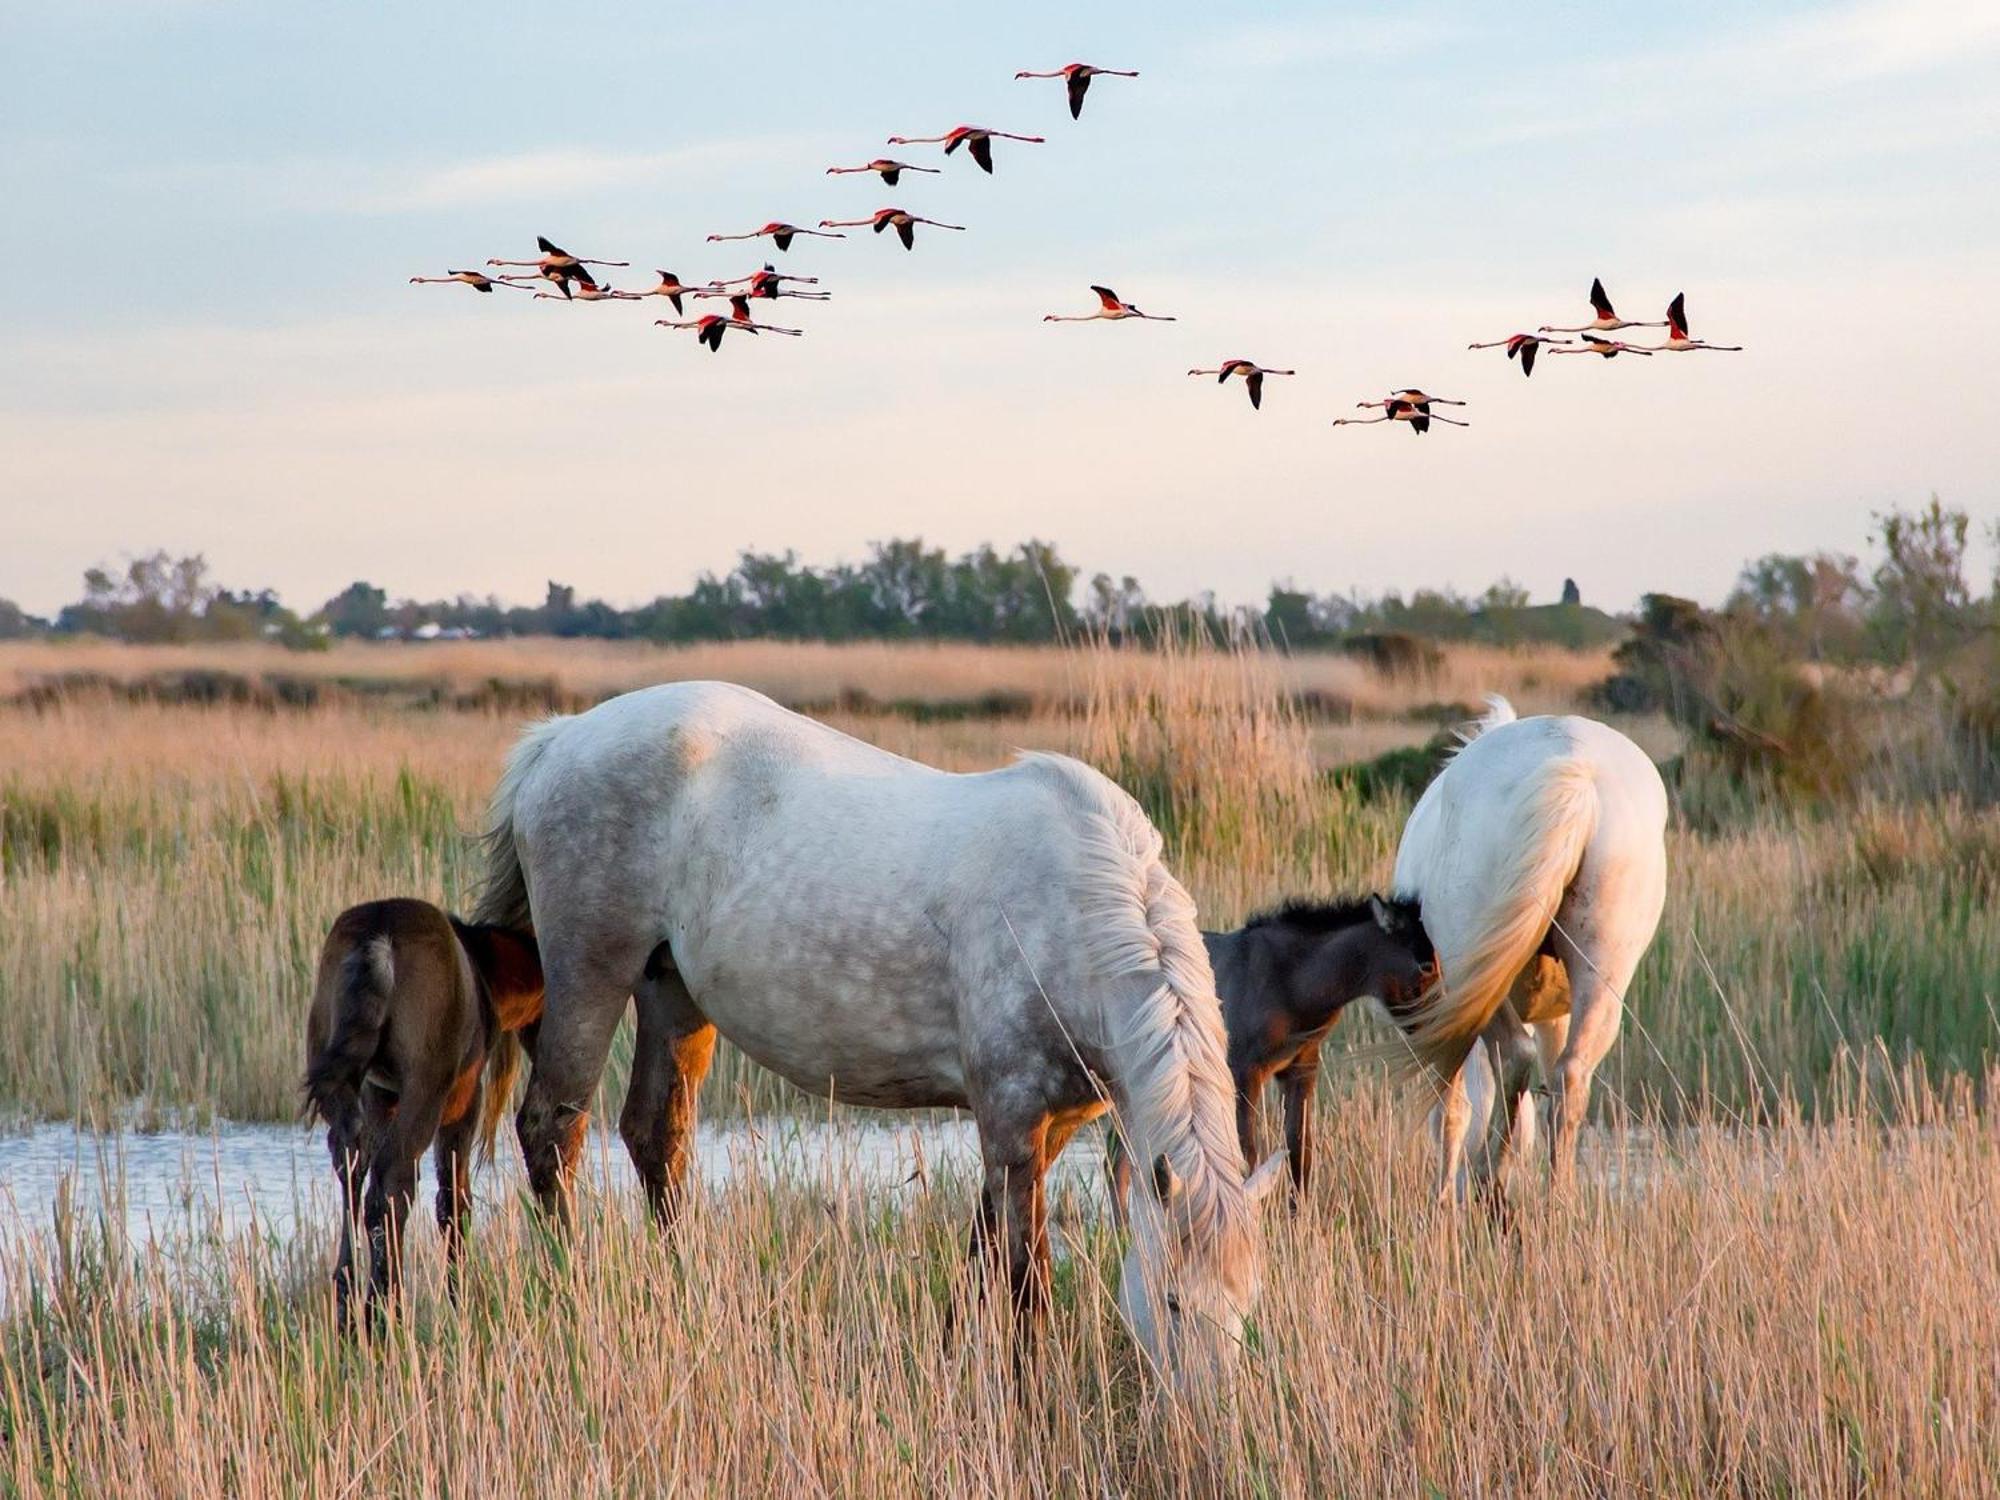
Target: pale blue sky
column 209, row 343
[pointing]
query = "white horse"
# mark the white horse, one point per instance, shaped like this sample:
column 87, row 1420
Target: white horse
column 888, row 934
column 1539, row 854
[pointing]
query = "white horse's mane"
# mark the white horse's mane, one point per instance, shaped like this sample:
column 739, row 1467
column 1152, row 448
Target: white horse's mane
column 1170, row 1049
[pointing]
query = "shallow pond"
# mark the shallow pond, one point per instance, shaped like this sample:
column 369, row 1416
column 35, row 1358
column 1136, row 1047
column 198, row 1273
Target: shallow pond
column 179, row 1185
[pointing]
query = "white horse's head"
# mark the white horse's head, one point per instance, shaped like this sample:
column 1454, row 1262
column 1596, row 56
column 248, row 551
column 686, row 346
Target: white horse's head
column 1192, row 1275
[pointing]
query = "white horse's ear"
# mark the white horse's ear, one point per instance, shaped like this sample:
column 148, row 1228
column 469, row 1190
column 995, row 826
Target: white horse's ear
column 1384, row 918
column 1166, row 1182
column 1264, row 1181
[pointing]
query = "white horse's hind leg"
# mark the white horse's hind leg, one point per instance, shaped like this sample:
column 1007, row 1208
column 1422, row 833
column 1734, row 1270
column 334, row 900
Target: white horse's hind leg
column 1600, row 959
column 1452, row 1120
column 1510, row 1052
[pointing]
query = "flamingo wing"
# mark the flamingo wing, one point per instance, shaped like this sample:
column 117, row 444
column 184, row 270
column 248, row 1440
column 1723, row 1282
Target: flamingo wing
column 1527, row 357
column 1078, row 85
column 782, row 237
column 1254, row 382
column 1108, row 297
column 1421, row 422
column 548, row 247
column 1677, row 320
column 981, row 147
column 1598, row 301
column 891, row 175
column 906, row 232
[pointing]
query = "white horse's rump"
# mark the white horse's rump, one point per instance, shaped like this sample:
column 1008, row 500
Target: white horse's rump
column 881, row 932
column 1542, row 837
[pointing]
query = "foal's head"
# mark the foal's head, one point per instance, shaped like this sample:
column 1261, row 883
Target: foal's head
column 1375, row 946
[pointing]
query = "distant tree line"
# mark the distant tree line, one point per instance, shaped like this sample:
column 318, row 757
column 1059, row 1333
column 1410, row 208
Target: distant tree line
column 1820, row 605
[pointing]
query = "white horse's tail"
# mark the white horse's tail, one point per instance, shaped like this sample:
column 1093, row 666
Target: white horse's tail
column 503, row 891
column 1498, row 711
column 1551, row 823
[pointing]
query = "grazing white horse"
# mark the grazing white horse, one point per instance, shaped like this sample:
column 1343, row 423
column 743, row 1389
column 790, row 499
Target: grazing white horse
column 891, row 935
column 1539, row 854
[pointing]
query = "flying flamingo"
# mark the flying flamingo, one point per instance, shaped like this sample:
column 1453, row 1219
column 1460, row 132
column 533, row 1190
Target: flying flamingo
column 1253, row 375
column 479, row 281
column 710, row 328
column 558, row 265
column 1410, row 396
column 1112, row 309
column 768, row 283
column 1678, row 341
column 977, row 140
column 673, row 289
column 739, row 306
column 1078, row 76
column 1608, row 348
column 1522, row 344
column 1419, row 416
column 1606, row 321
column 590, row 291
column 781, row 233
column 882, row 218
column 891, row 172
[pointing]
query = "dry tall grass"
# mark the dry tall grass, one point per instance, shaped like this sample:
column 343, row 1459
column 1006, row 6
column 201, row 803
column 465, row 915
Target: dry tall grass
column 167, row 872
column 1806, row 1310
column 806, row 673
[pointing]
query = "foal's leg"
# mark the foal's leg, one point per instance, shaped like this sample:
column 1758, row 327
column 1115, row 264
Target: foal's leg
column 1250, row 1085
column 350, row 1166
column 675, row 1046
column 351, row 1140
column 392, row 1183
column 1298, row 1080
column 1118, row 1168
column 587, row 990
column 452, row 1156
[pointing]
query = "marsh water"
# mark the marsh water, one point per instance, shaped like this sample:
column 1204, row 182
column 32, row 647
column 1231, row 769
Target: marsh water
column 181, row 1185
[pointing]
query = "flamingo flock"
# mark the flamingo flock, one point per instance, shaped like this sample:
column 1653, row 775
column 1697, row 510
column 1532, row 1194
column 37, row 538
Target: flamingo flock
column 573, row 280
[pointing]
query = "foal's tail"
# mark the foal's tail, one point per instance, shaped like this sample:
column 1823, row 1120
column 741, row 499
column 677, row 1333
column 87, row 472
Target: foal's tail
column 503, row 1070
column 1479, row 957
column 363, row 983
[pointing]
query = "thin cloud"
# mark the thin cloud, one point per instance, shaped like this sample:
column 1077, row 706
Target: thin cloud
column 1879, row 38
column 542, row 175
column 1281, row 44
column 308, row 185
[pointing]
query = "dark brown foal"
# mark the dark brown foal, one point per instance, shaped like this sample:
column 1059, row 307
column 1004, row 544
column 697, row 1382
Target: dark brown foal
column 411, row 1007
column 1283, row 979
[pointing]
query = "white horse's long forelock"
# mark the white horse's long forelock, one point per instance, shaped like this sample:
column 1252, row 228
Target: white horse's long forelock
column 1169, row 1049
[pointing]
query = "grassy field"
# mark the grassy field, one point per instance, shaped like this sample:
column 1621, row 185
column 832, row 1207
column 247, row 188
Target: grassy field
column 1781, row 1275
column 169, row 869
column 1802, row 1310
